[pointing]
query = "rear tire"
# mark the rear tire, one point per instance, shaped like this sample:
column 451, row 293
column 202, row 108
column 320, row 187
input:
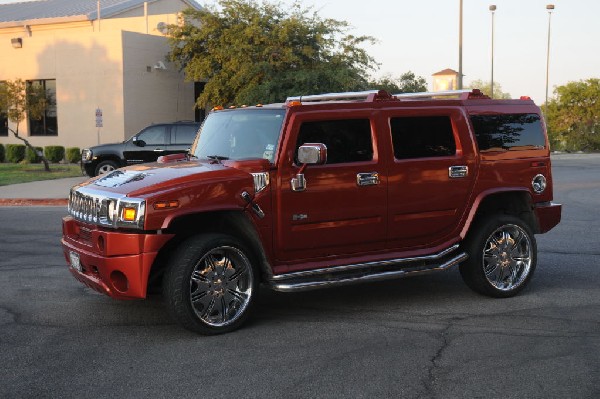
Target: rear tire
column 502, row 256
column 210, row 285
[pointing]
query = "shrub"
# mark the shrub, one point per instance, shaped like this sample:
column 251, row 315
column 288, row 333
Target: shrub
column 73, row 155
column 54, row 153
column 2, row 153
column 33, row 157
column 15, row 153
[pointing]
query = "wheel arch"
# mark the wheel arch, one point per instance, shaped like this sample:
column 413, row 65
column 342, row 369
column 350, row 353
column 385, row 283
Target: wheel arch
column 230, row 222
column 517, row 202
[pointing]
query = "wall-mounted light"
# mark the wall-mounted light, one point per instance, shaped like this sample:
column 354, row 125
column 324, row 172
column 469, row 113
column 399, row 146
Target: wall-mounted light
column 16, row 42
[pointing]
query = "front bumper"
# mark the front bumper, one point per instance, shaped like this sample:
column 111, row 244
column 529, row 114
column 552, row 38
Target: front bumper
column 114, row 263
column 548, row 215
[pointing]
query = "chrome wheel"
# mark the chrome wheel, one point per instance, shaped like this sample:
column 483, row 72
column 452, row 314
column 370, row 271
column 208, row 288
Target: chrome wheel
column 507, row 257
column 105, row 167
column 221, row 286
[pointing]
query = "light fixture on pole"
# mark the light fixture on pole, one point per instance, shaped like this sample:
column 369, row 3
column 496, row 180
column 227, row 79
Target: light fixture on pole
column 493, row 10
column 550, row 8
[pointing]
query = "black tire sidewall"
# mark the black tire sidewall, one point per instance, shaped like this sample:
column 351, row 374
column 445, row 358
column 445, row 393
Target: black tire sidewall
column 472, row 270
column 177, row 279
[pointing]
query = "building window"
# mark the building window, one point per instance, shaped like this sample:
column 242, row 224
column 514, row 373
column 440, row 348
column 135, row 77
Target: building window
column 46, row 124
column 3, row 116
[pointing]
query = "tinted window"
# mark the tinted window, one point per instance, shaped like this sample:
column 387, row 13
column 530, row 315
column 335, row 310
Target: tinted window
column 184, row 134
column 154, row 135
column 508, row 132
column 420, row 137
column 347, row 140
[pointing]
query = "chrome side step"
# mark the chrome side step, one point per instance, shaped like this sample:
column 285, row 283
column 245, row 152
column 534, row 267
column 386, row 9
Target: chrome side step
column 365, row 272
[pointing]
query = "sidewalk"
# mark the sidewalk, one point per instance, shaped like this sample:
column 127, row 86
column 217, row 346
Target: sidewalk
column 39, row 193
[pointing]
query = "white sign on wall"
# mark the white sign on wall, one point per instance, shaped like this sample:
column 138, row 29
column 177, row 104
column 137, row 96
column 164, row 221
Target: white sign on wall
column 98, row 117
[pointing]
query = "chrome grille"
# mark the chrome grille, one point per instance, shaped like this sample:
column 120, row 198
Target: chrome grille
column 88, row 208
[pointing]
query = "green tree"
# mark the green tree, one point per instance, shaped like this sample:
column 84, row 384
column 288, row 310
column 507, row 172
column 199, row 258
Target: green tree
column 407, row 83
column 573, row 116
column 486, row 88
column 257, row 53
column 18, row 101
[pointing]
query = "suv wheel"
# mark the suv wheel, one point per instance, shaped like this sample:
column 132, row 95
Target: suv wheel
column 106, row 167
column 502, row 256
column 210, row 285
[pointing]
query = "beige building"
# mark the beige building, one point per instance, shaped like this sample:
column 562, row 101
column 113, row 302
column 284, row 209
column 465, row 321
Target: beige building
column 103, row 61
column 445, row 80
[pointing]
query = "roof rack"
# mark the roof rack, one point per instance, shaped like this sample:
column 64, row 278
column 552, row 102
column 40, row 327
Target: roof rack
column 429, row 94
column 350, row 95
column 375, row 95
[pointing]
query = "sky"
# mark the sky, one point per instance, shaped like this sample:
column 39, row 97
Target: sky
column 422, row 36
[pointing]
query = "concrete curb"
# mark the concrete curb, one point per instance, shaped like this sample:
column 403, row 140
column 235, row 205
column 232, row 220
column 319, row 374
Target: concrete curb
column 33, row 202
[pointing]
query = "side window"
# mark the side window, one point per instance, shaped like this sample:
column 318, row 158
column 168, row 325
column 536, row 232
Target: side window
column 508, row 132
column 183, row 134
column 153, row 135
column 422, row 136
column 347, row 140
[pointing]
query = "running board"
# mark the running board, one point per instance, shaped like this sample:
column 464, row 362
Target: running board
column 365, row 272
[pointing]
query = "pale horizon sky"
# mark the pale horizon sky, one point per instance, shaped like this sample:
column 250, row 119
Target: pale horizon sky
column 422, row 36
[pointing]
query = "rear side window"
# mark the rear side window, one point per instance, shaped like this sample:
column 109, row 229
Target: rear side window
column 347, row 140
column 184, row 134
column 508, row 132
column 422, row 137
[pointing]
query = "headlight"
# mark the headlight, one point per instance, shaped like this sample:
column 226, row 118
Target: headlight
column 86, row 155
column 131, row 212
column 538, row 183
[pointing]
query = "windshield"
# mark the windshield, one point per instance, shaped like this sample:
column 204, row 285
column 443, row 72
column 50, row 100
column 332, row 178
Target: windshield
column 239, row 134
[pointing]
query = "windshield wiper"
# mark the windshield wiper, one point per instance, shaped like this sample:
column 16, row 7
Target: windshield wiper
column 217, row 158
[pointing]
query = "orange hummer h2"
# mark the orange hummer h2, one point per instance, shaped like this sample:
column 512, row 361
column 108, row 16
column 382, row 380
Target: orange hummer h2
column 319, row 191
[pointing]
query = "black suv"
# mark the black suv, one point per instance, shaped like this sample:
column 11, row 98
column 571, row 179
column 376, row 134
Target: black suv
column 146, row 146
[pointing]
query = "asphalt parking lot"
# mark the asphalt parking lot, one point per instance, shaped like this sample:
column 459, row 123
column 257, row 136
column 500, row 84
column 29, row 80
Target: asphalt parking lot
column 422, row 337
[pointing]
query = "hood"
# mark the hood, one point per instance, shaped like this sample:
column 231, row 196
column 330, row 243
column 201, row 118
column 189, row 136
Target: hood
column 154, row 178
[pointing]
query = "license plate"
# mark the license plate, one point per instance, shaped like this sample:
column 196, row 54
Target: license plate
column 75, row 263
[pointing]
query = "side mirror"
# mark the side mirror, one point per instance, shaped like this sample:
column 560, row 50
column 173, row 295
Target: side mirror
column 138, row 142
column 312, row 154
column 308, row 154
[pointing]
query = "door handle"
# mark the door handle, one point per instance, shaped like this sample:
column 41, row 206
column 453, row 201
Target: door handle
column 367, row 179
column 455, row 172
column 158, row 150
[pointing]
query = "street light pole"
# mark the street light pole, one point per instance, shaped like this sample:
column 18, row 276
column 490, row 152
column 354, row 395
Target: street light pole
column 549, row 7
column 492, row 9
column 460, row 46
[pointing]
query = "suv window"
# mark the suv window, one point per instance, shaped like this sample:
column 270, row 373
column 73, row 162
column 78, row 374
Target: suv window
column 153, row 135
column 347, row 140
column 422, row 136
column 508, row 132
column 183, row 134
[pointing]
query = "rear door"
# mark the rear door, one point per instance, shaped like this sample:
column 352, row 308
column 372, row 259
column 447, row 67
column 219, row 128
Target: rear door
column 182, row 136
column 343, row 209
column 431, row 176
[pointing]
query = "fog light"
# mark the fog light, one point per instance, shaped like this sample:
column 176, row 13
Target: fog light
column 119, row 281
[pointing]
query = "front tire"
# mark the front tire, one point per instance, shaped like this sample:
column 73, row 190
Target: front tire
column 106, row 167
column 211, row 284
column 502, row 256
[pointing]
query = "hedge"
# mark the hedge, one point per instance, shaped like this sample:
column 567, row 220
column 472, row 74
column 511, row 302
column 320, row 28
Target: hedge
column 54, row 153
column 2, row 153
column 73, row 155
column 33, row 157
column 15, row 153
